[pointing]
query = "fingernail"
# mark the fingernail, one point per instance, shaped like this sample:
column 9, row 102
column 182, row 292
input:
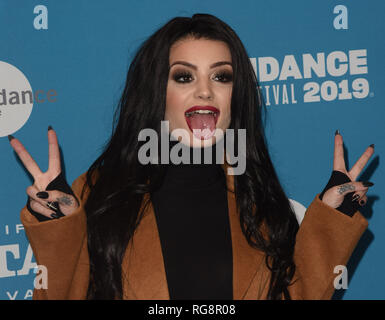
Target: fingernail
column 337, row 132
column 42, row 195
column 362, row 202
column 54, row 216
column 10, row 138
column 367, row 184
column 50, row 128
column 355, row 197
column 372, row 145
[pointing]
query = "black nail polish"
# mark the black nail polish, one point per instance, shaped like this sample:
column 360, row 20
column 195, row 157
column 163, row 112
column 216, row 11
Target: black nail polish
column 367, row 184
column 362, row 202
column 10, row 138
column 50, row 128
column 54, row 216
column 337, row 132
column 42, row 195
column 372, row 145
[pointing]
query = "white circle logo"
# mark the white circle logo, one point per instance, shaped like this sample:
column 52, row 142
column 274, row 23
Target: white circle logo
column 16, row 99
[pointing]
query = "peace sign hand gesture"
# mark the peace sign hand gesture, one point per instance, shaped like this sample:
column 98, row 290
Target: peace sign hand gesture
column 350, row 191
column 54, row 203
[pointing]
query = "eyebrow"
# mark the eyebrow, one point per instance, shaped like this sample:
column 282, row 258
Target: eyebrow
column 187, row 64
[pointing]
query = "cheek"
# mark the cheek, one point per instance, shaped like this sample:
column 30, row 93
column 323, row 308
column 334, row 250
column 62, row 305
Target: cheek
column 171, row 102
column 174, row 107
column 227, row 111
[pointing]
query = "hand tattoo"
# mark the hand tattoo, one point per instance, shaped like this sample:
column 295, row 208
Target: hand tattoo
column 65, row 200
column 346, row 187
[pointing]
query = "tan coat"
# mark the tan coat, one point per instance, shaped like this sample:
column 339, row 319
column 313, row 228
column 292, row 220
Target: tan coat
column 326, row 238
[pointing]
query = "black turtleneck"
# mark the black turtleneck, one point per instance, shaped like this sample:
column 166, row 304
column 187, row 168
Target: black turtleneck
column 194, row 229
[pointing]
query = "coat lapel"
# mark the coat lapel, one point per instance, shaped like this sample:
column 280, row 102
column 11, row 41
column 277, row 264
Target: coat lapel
column 143, row 265
column 246, row 260
column 144, row 275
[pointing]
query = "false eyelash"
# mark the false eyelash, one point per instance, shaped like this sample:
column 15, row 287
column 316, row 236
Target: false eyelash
column 180, row 75
column 226, row 75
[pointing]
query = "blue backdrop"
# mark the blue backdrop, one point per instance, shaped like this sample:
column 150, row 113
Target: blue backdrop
column 321, row 67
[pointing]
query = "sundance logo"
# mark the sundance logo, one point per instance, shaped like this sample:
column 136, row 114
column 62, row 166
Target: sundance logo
column 17, row 98
column 15, row 106
column 336, row 75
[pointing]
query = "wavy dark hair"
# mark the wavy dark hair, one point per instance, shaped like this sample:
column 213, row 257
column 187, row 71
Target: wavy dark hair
column 114, row 206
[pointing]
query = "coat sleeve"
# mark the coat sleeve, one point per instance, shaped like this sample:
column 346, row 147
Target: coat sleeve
column 60, row 245
column 326, row 238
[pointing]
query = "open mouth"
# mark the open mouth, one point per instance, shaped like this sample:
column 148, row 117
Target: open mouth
column 202, row 121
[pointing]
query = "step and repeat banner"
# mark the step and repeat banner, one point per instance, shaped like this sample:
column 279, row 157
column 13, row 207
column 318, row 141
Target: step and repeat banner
column 321, row 68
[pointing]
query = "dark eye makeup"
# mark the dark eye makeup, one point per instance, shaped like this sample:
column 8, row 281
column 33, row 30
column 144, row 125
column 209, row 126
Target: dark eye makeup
column 182, row 75
column 224, row 76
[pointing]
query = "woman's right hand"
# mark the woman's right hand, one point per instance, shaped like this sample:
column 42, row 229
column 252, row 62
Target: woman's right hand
column 45, row 205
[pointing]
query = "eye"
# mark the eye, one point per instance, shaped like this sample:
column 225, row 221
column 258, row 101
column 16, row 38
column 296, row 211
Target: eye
column 224, row 76
column 182, row 75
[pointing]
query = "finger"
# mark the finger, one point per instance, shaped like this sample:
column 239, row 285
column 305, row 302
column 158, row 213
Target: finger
column 54, row 152
column 36, row 206
column 358, row 195
column 60, row 202
column 26, row 158
column 32, row 193
column 349, row 187
column 339, row 161
column 361, row 162
column 59, row 197
column 363, row 200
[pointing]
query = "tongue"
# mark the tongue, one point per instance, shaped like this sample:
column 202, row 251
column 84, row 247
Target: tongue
column 202, row 125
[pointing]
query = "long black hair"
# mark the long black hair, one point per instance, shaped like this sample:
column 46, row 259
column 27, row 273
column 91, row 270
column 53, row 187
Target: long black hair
column 114, row 206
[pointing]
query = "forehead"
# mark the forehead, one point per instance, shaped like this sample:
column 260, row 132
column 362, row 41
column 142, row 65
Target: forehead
column 199, row 51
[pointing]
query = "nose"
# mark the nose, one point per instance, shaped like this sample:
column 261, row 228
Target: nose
column 204, row 90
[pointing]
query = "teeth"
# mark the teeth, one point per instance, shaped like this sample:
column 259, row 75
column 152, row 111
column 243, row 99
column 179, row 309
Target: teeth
column 189, row 114
column 203, row 111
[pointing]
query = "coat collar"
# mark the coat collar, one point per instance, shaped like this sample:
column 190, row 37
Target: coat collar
column 144, row 275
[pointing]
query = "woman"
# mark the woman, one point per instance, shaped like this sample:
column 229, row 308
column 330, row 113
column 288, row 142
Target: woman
column 128, row 230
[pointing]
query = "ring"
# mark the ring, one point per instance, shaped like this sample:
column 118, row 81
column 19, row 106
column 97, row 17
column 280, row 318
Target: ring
column 52, row 206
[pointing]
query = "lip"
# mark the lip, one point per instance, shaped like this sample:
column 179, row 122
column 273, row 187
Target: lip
column 211, row 108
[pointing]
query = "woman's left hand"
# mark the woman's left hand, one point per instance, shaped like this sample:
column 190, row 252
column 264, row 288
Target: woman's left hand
column 335, row 195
